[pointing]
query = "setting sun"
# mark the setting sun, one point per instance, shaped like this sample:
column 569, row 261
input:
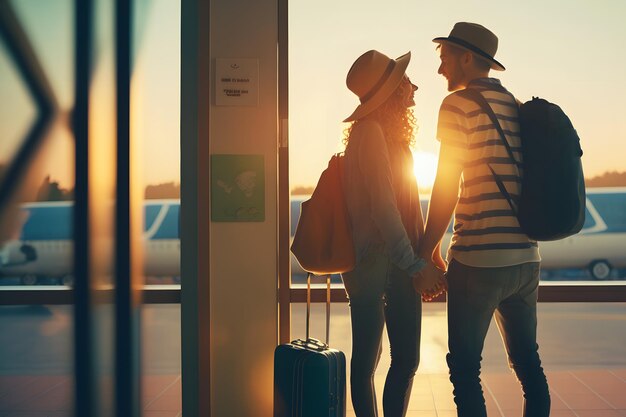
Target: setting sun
column 425, row 169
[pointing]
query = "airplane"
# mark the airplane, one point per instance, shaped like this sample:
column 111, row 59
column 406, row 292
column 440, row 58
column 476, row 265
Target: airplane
column 44, row 250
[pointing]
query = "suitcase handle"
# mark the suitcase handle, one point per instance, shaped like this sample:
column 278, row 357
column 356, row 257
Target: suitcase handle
column 311, row 343
column 308, row 307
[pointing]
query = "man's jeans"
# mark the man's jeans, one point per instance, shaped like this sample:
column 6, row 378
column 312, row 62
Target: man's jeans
column 380, row 293
column 474, row 295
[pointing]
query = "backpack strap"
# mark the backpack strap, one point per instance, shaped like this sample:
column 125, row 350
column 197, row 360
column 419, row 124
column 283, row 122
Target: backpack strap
column 503, row 190
column 478, row 98
column 475, row 96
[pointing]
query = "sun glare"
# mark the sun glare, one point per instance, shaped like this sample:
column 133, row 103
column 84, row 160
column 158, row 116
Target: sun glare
column 425, row 169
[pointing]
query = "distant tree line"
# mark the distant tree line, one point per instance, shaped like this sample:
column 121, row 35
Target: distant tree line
column 608, row 179
column 165, row 190
column 51, row 190
column 302, row 190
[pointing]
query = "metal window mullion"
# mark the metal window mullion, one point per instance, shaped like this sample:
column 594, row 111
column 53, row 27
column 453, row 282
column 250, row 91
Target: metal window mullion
column 194, row 216
column 85, row 403
column 561, row 293
column 284, row 206
column 65, row 296
column 127, row 363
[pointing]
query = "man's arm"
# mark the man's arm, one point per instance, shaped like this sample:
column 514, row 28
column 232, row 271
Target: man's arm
column 438, row 258
column 444, row 198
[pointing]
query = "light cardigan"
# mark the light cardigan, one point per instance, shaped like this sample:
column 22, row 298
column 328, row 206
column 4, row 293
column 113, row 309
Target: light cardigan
column 370, row 194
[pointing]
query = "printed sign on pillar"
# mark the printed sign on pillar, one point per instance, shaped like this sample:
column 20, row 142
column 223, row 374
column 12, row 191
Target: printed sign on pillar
column 237, row 82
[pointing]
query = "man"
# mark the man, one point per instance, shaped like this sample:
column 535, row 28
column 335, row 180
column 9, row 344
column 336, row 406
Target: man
column 493, row 265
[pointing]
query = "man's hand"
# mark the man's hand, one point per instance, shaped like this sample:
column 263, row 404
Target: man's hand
column 428, row 279
column 434, row 255
column 438, row 260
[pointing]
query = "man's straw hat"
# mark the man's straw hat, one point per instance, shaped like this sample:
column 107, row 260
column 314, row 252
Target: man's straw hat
column 474, row 38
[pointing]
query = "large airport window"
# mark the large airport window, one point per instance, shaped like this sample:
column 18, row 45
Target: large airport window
column 36, row 146
column 36, row 100
column 155, row 100
column 536, row 65
column 43, row 120
column 155, row 115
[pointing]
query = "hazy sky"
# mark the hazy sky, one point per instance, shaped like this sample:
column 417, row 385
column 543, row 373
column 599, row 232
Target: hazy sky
column 567, row 51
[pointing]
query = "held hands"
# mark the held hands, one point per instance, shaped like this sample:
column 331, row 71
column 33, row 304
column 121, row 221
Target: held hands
column 433, row 293
column 430, row 281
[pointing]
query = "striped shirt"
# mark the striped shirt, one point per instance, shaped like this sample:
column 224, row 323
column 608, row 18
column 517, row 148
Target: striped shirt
column 486, row 230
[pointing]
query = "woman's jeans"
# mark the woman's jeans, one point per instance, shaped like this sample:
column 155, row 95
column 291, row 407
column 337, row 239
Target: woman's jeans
column 380, row 294
column 474, row 295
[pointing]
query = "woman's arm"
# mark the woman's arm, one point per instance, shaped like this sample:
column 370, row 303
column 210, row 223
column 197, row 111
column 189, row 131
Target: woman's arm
column 375, row 167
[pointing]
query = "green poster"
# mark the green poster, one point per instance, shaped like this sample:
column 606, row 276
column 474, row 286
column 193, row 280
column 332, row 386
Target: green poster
column 237, row 188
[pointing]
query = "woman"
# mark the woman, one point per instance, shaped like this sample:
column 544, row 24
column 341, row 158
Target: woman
column 383, row 202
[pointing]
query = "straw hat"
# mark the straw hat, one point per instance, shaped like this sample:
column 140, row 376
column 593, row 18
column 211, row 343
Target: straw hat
column 474, row 38
column 373, row 78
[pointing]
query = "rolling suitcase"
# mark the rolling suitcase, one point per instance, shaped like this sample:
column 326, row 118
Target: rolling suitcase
column 309, row 377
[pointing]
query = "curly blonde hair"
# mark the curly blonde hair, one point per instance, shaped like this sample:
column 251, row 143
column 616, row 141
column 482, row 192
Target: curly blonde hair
column 397, row 121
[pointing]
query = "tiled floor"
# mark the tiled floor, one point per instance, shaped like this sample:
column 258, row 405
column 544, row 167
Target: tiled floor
column 582, row 349
column 580, row 393
column 576, row 393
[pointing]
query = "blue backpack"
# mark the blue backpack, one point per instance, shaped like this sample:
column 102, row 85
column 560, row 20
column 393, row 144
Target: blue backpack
column 552, row 201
